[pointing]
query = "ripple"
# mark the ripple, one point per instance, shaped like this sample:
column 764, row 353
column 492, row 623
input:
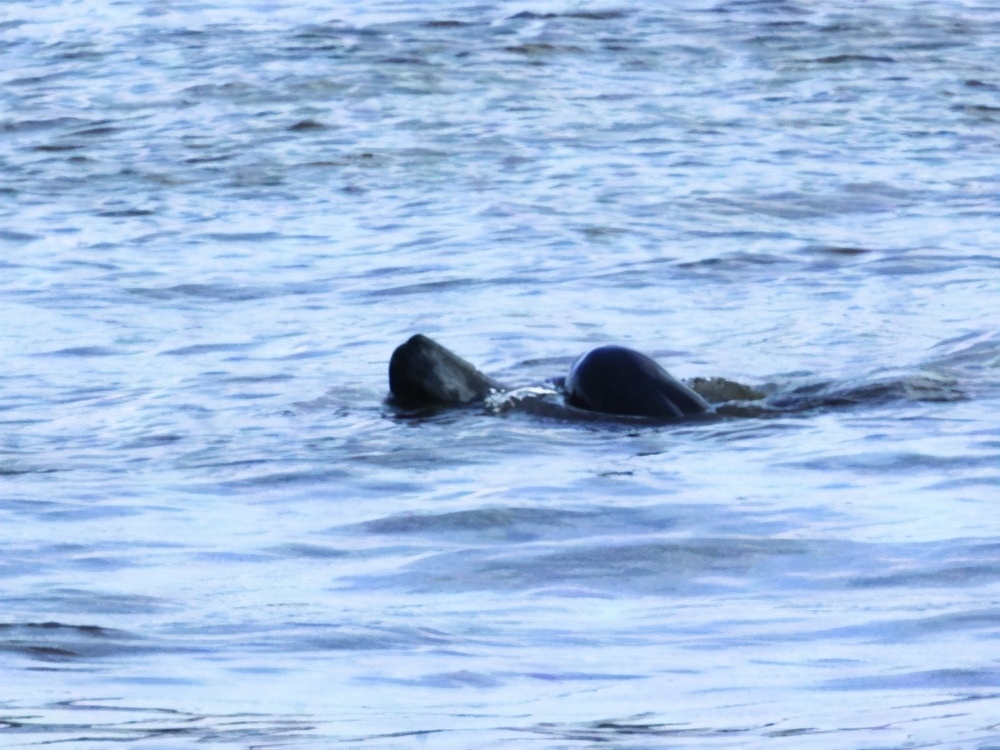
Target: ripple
column 60, row 642
column 775, row 193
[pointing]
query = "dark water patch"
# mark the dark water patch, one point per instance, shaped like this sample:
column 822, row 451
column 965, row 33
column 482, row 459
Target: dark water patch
column 258, row 379
column 615, row 562
column 55, row 148
column 597, row 15
column 448, row 24
column 936, row 679
column 842, row 250
column 965, row 573
column 898, row 463
column 93, row 723
column 583, row 15
column 787, row 24
column 148, row 239
column 99, row 130
column 195, row 160
column 75, row 263
column 125, row 213
column 196, row 461
column 281, row 479
column 259, row 671
column 153, row 441
column 30, row 81
column 233, row 91
column 912, row 264
column 308, row 551
column 854, row 58
column 402, row 60
column 196, row 349
column 232, row 558
column 306, row 125
column 706, row 566
column 977, row 109
column 627, row 730
column 510, row 524
column 737, row 261
column 13, row 470
column 805, row 206
column 985, row 622
column 516, row 525
column 100, row 563
column 22, row 126
column 312, row 354
column 932, row 387
column 929, row 387
column 338, row 28
column 312, row 637
column 70, row 513
column 59, row 642
column 91, row 602
column 449, row 680
column 976, row 353
column 528, row 15
column 9, row 235
column 426, row 287
column 254, row 396
column 216, row 292
column 965, row 483
column 596, row 232
column 84, row 351
column 581, row 676
column 154, row 680
column 543, row 49
column 226, row 292
column 556, row 364
column 640, row 568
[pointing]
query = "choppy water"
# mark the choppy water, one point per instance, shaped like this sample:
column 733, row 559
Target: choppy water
column 218, row 220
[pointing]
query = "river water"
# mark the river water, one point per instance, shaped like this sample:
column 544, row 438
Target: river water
column 219, row 219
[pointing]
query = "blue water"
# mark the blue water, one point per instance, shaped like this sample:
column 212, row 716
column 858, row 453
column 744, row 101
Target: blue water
column 219, row 219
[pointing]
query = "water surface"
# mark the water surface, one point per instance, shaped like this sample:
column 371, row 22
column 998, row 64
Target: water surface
column 218, row 220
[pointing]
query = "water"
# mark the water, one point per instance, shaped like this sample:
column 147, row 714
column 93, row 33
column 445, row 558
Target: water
column 220, row 219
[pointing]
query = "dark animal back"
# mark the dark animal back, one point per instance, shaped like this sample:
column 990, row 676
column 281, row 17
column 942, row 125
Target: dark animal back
column 617, row 380
column 423, row 373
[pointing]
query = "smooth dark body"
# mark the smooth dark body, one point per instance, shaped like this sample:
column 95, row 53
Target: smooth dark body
column 616, row 380
column 608, row 380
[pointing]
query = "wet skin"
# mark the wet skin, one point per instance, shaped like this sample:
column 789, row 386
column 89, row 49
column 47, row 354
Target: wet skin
column 608, row 380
